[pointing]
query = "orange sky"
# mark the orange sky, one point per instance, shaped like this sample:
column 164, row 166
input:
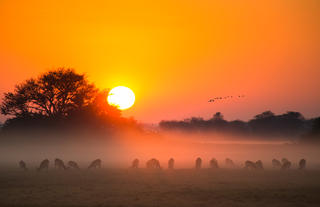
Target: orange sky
column 175, row 55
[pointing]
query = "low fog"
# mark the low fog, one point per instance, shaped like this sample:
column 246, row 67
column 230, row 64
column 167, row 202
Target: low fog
column 118, row 150
column 77, row 123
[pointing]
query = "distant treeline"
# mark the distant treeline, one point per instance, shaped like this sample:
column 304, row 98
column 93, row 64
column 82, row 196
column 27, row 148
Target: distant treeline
column 290, row 124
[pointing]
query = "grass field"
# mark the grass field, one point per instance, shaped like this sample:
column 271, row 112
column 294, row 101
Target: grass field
column 182, row 187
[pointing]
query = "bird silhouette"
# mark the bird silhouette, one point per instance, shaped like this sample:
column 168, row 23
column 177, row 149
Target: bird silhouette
column 225, row 97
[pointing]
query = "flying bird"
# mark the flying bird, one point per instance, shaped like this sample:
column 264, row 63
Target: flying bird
column 225, row 97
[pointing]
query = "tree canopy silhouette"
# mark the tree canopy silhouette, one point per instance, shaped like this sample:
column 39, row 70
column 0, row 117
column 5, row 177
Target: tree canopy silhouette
column 53, row 94
column 313, row 136
column 290, row 124
column 58, row 96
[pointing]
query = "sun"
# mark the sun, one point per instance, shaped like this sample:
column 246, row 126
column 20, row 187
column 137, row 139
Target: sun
column 122, row 97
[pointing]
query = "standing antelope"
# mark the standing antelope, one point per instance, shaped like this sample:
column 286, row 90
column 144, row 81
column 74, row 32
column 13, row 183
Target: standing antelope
column 153, row 164
column 73, row 165
column 250, row 165
column 230, row 163
column 59, row 164
column 214, row 163
column 44, row 165
column 198, row 163
column 23, row 165
column 286, row 164
column 276, row 163
column 302, row 164
column 135, row 163
column 259, row 165
column 171, row 164
column 95, row 164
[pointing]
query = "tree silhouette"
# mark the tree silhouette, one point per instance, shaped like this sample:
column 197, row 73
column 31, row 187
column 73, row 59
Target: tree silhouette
column 264, row 115
column 217, row 116
column 290, row 124
column 313, row 136
column 316, row 127
column 60, row 98
column 54, row 94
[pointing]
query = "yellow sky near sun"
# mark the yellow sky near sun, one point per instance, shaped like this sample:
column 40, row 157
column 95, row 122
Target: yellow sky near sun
column 174, row 55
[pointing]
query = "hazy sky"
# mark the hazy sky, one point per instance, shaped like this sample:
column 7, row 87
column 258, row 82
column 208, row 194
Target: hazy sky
column 174, row 54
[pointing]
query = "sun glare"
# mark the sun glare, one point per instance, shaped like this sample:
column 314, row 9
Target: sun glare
column 122, row 97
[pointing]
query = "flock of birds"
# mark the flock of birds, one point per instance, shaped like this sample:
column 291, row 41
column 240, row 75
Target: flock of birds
column 225, row 97
column 284, row 164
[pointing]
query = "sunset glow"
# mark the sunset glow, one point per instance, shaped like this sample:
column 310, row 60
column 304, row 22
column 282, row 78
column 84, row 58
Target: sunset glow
column 267, row 50
column 121, row 97
column 159, row 103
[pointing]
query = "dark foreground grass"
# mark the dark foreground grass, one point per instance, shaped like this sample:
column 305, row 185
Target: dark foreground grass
column 120, row 187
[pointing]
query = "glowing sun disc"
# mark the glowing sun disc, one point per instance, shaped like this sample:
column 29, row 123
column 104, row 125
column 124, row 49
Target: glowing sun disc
column 122, row 97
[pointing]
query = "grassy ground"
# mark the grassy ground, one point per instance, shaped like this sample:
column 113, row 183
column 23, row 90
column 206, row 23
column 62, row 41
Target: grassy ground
column 120, row 187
